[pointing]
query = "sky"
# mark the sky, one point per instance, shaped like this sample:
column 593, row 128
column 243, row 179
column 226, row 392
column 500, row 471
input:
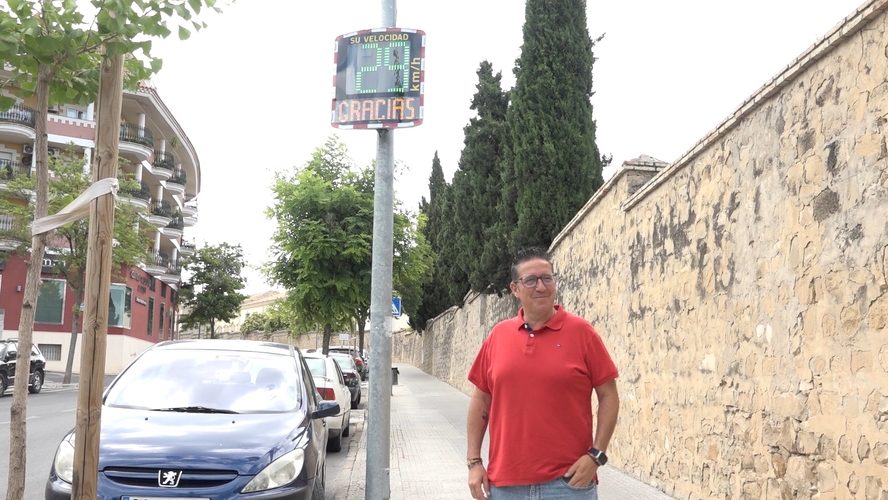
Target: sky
column 253, row 90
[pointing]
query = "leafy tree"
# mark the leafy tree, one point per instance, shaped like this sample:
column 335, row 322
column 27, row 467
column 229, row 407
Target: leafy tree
column 256, row 322
column 70, row 177
column 322, row 247
column 477, row 187
column 555, row 164
column 216, row 281
column 54, row 56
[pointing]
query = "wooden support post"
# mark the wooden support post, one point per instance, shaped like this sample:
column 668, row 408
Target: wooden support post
column 97, row 284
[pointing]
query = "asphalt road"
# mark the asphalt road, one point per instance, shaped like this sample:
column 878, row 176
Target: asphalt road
column 51, row 415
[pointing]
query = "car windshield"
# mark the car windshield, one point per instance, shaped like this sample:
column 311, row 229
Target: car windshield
column 344, row 362
column 317, row 366
column 208, row 381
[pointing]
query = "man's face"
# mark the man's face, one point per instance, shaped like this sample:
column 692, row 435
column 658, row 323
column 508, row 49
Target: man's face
column 539, row 299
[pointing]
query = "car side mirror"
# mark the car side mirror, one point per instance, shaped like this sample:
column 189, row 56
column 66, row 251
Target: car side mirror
column 326, row 409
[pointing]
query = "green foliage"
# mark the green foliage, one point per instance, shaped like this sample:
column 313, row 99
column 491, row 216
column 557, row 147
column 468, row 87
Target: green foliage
column 555, row 165
column 255, row 322
column 216, row 281
column 70, row 176
column 322, row 247
column 477, row 190
column 57, row 33
column 435, row 291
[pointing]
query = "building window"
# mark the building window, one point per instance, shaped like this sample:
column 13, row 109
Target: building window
column 50, row 302
column 150, row 316
column 160, row 321
column 163, row 290
column 72, row 112
column 52, row 352
column 120, row 306
column 170, row 324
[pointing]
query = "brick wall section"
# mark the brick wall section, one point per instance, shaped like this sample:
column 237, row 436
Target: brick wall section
column 741, row 290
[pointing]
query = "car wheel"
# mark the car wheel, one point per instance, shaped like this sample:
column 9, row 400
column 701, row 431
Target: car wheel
column 38, row 383
column 334, row 444
column 346, row 430
column 318, row 493
column 357, row 401
column 4, row 384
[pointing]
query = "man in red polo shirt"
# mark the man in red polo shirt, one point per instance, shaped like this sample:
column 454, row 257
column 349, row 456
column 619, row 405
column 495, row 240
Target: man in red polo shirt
column 534, row 378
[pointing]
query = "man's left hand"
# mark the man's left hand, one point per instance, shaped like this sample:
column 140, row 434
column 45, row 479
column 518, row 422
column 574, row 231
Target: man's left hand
column 582, row 472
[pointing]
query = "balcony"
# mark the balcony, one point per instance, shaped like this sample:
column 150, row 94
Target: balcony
column 188, row 247
column 17, row 124
column 137, row 196
column 157, row 263
column 176, row 183
column 163, row 165
column 8, row 238
column 10, row 169
column 136, row 142
column 174, row 228
column 160, row 213
column 21, row 114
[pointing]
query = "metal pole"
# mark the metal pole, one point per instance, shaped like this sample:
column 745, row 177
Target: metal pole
column 379, row 402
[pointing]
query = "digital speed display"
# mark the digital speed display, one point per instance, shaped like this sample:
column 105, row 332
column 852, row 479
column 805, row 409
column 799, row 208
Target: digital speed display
column 379, row 79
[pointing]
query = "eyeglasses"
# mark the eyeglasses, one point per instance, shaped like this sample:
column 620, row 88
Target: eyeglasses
column 531, row 281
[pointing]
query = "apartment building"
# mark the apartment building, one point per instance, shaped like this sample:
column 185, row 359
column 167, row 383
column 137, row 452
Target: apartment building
column 165, row 164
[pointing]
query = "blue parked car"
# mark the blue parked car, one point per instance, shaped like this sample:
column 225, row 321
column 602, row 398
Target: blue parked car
column 211, row 419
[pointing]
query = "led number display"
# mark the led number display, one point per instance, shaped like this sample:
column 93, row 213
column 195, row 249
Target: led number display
column 379, row 79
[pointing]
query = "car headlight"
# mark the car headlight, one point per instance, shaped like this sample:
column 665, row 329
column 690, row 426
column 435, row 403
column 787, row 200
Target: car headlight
column 64, row 461
column 279, row 473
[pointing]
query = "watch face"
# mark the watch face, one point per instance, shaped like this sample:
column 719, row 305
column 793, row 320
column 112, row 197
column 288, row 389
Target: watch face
column 601, row 458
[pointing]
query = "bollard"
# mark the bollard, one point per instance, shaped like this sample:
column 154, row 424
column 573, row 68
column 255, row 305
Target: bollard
column 395, row 373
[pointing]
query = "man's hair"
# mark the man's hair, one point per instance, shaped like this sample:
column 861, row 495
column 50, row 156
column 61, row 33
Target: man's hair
column 526, row 254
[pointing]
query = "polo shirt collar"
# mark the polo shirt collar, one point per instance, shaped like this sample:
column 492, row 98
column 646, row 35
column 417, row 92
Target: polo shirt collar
column 554, row 323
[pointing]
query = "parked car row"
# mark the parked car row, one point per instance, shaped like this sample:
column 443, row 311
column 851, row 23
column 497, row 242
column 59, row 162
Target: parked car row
column 217, row 419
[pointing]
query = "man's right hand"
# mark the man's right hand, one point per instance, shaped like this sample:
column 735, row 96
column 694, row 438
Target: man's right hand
column 478, row 483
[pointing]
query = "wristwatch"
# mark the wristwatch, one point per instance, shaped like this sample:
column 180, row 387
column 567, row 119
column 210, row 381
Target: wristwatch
column 597, row 455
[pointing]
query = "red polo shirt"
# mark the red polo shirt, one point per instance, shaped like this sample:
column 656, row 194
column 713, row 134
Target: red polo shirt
column 540, row 384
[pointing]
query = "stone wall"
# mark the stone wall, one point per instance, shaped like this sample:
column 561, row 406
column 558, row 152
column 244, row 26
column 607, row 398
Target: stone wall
column 740, row 289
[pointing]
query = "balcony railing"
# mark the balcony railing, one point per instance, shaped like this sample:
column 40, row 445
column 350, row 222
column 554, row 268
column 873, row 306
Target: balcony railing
column 7, row 223
column 158, row 259
column 10, row 169
column 178, row 177
column 189, row 245
column 175, row 268
column 164, row 160
column 177, row 223
column 136, row 134
column 143, row 192
column 20, row 114
column 162, row 208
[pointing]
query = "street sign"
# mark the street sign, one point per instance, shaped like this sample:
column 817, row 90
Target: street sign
column 396, row 307
column 379, row 79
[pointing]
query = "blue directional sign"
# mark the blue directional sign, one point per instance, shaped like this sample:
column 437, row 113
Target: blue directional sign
column 396, row 307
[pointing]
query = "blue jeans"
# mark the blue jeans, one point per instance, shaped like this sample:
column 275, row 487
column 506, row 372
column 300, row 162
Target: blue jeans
column 557, row 489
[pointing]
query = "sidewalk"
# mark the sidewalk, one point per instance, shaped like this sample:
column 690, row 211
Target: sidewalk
column 428, row 443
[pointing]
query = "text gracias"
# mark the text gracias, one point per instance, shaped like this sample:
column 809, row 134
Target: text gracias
column 383, row 109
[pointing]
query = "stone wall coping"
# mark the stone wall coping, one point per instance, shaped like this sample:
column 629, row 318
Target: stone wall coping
column 636, row 165
column 845, row 28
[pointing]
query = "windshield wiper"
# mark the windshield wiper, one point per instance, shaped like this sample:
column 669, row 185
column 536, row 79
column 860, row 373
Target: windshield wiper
column 194, row 409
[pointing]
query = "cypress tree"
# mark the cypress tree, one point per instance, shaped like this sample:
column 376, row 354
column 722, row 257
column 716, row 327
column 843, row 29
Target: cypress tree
column 435, row 292
column 477, row 185
column 555, row 164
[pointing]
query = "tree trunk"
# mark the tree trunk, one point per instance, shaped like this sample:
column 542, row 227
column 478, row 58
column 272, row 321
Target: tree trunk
column 212, row 329
column 18, row 413
column 97, row 284
column 328, row 331
column 362, row 326
column 75, row 323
